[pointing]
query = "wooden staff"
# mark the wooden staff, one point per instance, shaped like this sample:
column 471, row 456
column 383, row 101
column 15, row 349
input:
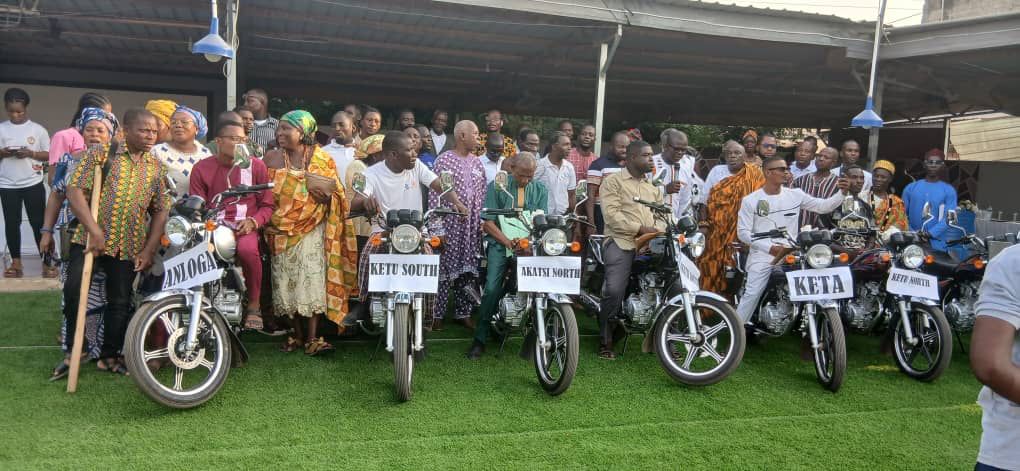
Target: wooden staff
column 86, row 283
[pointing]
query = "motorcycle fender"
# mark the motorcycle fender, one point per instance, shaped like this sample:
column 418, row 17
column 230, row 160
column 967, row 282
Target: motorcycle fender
column 926, row 302
column 678, row 299
column 559, row 298
column 161, row 295
column 826, row 303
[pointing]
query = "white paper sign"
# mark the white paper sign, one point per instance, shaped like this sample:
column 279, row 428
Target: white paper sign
column 913, row 284
column 690, row 276
column 189, row 269
column 389, row 273
column 559, row 275
column 820, row 284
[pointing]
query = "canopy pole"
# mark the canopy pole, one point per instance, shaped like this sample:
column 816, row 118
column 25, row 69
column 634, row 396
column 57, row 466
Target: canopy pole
column 230, row 68
column 606, row 53
column 873, row 132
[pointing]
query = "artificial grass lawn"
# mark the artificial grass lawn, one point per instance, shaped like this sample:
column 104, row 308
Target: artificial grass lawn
column 339, row 412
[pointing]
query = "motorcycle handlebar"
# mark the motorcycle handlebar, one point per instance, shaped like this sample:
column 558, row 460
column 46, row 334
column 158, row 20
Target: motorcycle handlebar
column 653, row 205
column 246, row 189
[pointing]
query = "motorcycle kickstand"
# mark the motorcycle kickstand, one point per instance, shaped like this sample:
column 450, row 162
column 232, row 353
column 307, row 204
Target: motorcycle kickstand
column 959, row 341
column 378, row 345
column 502, row 343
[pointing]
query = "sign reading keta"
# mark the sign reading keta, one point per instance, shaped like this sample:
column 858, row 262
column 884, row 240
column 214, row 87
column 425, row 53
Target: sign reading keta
column 189, row 269
column 555, row 275
column 913, row 284
column 403, row 273
column 689, row 273
column 820, row 284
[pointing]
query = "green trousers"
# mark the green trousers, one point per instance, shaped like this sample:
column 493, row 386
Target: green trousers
column 497, row 263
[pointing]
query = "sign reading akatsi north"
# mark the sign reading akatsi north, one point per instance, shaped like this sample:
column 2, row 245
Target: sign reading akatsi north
column 403, row 273
column 556, row 275
column 192, row 268
column 913, row 284
column 820, row 284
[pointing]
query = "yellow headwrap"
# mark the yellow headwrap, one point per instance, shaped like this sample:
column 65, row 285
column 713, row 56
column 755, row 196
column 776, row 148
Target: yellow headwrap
column 885, row 165
column 369, row 146
column 163, row 109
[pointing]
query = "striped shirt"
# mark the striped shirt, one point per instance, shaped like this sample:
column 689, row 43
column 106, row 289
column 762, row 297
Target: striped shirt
column 819, row 188
column 264, row 132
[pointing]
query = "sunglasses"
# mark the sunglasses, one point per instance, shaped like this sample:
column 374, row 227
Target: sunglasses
column 934, row 162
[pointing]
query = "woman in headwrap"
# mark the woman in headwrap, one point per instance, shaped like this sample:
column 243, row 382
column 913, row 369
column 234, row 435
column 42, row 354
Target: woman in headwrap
column 750, row 141
column 888, row 208
column 314, row 264
column 97, row 126
column 183, row 150
column 164, row 111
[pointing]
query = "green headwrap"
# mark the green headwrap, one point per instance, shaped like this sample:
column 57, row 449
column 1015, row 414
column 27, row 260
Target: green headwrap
column 302, row 120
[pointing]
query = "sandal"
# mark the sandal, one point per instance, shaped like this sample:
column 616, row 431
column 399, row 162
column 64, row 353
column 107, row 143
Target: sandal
column 318, row 346
column 253, row 321
column 290, row 345
column 112, row 365
column 606, row 353
column 60, row 371
column 50, row 272
column 12, row 272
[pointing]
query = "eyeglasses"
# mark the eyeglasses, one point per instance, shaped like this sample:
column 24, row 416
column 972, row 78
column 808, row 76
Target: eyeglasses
column 780, row 169
column 181, row 122
column 234, row 139
column 934, row 162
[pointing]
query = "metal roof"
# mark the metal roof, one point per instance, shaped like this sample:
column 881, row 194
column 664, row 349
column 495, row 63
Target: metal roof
column 678, row 60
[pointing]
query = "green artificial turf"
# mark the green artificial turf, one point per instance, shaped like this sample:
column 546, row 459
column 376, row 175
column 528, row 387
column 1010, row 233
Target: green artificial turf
column 289, row 410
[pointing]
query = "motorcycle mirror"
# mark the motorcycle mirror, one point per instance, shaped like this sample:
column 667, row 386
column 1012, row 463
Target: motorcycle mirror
column 446, row 180
column 358, row 182
column 951, row 217
column 581, row 192
column 501, row 180
column 763, row 208
column 926, row 212
column 848, row 205
column 660, row 177
column 242, row 158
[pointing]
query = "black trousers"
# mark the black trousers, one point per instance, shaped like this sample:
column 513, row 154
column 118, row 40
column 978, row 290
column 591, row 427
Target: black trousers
column 614, row 286
column 33, row 199
column 119, row 276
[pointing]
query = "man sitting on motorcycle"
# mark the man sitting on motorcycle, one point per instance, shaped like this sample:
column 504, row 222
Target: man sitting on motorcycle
column 392, row 184
column 527, row 194
column 214, row 175
column 625, row 220
column 785, row 205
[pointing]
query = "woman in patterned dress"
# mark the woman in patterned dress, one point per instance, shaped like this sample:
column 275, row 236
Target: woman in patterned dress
column 183, row 150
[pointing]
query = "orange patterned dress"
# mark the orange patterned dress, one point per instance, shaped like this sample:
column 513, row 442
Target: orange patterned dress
column 723, row 205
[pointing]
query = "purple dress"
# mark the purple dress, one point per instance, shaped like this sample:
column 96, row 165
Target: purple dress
column 458, row 266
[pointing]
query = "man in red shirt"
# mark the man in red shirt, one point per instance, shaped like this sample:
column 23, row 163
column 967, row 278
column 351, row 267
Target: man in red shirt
column 245, row 215
column 583, row 154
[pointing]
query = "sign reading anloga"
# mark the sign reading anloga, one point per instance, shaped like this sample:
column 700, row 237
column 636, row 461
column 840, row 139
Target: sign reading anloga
column 689, row 273
column 820, row 284
column 403, row 273
column 559, row 275
column 913, row 284
column 189, row 269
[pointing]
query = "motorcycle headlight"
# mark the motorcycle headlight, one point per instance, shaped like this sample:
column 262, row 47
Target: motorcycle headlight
column 819, row 256
column 913, row 256
column 554, row 242
column 178, row 230
column 225, row 243
column 405, row 238
column 696, row 244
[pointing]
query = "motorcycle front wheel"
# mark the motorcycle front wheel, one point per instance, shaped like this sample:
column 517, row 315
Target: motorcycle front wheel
column 156, row 353
column 709, row 358
column 930, row 356
column 830, row 356
column 557, row 364
column 403, row 358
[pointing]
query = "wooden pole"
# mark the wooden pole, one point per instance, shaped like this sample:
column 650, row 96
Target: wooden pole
column 86, row 283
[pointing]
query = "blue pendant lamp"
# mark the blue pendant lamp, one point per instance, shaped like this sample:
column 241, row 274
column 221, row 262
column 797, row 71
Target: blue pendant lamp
column 212, row 46
column 868, row 118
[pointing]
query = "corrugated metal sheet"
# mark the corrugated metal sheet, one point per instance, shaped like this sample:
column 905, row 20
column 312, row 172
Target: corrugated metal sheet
column 987, row 140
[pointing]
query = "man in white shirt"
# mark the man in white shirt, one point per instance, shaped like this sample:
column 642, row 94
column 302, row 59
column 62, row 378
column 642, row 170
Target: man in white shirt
column 785, row 205
column 557, row 174
column 849, row 154
column 493, row 159
column 438, row 132
column 680, row 178
column 995, row 359
column 804, row 159
column 24, row 151
column 341, row 147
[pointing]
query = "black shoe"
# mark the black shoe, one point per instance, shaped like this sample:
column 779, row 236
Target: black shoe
column 476, row 351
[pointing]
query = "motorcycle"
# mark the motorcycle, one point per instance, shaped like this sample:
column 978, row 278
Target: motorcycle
column 538, row 288
column 893, row 292
column 802, row 291
column 696, row 334
column 959, row 279
column 401, row 273
column 192, row 323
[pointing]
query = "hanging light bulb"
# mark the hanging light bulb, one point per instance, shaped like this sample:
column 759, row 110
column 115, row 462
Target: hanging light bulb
column 212, row 46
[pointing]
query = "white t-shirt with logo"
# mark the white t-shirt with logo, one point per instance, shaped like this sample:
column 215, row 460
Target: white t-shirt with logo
column 22, row 173
column 1000, row 422
column 396, row 190
column 342, row 157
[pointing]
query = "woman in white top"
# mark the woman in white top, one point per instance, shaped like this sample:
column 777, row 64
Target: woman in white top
column 24, row 150
column 183, row 151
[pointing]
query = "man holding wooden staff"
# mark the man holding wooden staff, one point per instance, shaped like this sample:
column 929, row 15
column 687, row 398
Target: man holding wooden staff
column 132, row 208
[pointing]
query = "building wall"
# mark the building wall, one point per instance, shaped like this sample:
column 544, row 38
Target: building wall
column 52, row 106
column 944, row 10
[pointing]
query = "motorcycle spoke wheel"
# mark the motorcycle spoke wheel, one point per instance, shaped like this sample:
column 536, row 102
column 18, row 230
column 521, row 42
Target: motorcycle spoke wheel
column 830, row 356
column 930, row 355
column 706, row 357
column 556, row 364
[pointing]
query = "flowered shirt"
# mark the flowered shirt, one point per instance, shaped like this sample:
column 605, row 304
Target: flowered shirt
column 509, row 148
column 132, row 190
